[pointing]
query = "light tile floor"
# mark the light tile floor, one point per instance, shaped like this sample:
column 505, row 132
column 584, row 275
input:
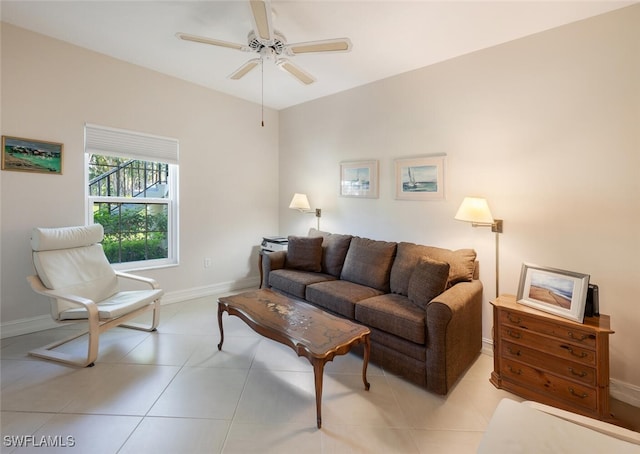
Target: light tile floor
column 172, row 391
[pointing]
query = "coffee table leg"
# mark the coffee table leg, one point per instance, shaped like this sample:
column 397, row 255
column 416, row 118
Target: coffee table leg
column 220, row 311
column 365, row 362
column 318, row 370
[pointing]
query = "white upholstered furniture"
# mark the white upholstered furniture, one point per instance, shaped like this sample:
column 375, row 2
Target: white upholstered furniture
column 73, row 271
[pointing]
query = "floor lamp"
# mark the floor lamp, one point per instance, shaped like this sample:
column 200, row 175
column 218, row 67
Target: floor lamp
column 476, row 211
column 300, row 202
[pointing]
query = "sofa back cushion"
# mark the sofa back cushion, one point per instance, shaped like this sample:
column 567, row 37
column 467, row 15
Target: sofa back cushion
column 368, row 262
column 334, row 250
column 304, row 253
column 428, row 280
column 461, row 264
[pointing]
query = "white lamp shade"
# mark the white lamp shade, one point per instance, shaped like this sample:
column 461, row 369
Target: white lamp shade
column 300, row 202
column 476, row 210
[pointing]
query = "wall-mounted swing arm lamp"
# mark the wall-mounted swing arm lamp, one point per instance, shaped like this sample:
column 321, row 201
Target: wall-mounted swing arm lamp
column 300, row 202
column 476, row 211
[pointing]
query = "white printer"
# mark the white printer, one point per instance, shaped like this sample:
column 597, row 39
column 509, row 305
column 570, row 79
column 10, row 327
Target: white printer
column 274, row 243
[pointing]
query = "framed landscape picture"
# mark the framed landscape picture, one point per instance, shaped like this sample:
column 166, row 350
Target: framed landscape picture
column 359, row 179
column 558, row 292
column 28, row 155
column 420, row 178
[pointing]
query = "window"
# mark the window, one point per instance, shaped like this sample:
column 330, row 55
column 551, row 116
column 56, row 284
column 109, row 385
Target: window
column 132, row 191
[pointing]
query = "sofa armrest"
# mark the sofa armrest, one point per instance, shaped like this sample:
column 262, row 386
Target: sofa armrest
column 454, row 334
column 271, row 261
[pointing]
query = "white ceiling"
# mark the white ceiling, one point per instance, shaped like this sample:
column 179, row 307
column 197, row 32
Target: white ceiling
column 389, row 37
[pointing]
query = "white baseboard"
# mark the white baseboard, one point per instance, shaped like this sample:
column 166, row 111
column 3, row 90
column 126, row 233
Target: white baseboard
column 43, row 322
column 27, row 326
column 624, row 392
column 209, row 290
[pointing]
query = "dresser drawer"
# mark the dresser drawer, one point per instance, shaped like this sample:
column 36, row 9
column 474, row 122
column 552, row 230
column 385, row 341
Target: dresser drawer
column 568, row 334
column 539, row 359
column 555, row 347
column 549, row 384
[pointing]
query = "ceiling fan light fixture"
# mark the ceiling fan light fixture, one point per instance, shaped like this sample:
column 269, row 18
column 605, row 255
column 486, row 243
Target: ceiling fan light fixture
column 270, row 44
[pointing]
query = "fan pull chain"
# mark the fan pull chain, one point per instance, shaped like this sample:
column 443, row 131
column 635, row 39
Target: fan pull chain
column 262, row 90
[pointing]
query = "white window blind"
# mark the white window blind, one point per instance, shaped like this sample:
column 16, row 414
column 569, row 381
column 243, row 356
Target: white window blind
column 130, row 144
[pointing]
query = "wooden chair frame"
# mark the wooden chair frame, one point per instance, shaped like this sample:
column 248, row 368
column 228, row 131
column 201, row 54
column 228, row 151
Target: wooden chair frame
column 96, row 326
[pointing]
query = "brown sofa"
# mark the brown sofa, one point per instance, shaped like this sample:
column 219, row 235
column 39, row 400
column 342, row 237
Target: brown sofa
column 423, row 304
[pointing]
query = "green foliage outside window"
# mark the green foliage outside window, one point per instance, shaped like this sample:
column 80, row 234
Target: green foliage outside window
column 133, row 232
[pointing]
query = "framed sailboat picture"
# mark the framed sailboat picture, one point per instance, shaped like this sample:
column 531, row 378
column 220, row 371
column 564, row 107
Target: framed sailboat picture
column 420, row 178
column 359, row 179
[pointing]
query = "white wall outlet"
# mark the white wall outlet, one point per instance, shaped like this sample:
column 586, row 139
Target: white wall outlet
column 207, row 262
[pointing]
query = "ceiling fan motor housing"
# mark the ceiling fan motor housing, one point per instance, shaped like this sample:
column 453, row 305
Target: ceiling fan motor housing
column 277, row 46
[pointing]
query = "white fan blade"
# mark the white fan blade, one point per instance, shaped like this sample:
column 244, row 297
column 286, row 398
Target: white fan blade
column 262, row 19
column 296, row 71
column 327, row 45
column 244, row 69
column 213, row 42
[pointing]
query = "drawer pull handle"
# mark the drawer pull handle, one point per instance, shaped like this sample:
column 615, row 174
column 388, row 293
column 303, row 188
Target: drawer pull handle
column 517, row 352
column 574, row 393
column 513, row 319
column 577, row 374
column 578, row 338
column 512, row 370
column 514, row 334
column 581, row 355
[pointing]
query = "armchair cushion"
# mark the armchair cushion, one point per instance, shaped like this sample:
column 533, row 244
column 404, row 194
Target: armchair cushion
column 116, row 306
column 45, row 239
column 82, row 271
column 304, row 253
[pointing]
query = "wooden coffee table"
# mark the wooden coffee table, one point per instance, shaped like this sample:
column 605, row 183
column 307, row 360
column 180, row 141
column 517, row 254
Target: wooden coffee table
column 309, row 331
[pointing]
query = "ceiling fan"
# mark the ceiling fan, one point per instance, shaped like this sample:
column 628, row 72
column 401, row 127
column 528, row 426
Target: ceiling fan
column 270, row 44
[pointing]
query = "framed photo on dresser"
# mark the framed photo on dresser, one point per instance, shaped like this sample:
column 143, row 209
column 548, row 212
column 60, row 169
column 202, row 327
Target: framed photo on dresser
column 559, row 292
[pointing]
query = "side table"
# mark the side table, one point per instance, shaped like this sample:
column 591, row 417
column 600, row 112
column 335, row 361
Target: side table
column 550, row 359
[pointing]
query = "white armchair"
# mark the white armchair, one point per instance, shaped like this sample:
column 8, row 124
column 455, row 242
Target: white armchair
column 74, row 272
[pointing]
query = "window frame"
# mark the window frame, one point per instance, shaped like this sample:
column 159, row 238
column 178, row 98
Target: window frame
column 171, row 201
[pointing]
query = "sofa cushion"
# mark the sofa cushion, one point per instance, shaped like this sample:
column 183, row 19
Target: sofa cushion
column 294, row 282
column 304, row 253
column 393, row 314
column 461, row 264
column 428, row 280
column 368, row 262
column 338, row 296
column 334, row 250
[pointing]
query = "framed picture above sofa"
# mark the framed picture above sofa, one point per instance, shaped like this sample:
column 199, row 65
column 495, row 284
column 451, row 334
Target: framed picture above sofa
column 420, row 178
column 359, row 179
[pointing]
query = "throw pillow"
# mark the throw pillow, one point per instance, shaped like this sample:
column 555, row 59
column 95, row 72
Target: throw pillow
column 368, row 262
column 304, row 253
column 428, row 280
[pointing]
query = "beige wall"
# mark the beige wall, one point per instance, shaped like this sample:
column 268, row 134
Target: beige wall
column 228, row 163
column 546, row 127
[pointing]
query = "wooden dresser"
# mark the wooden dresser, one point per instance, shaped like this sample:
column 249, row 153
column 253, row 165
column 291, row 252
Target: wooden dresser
column 550, row 359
